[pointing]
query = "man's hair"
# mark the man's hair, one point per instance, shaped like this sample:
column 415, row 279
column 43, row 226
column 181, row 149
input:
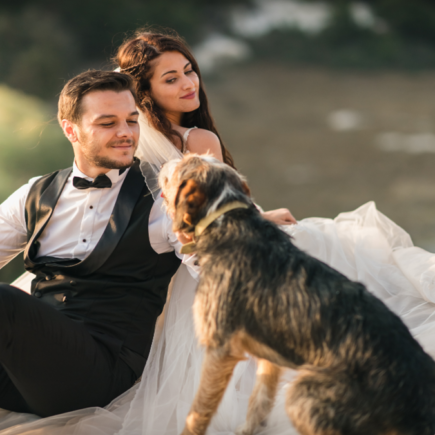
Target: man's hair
column 70, row 99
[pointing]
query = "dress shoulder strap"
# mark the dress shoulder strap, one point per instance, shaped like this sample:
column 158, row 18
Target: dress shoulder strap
column 186, row 135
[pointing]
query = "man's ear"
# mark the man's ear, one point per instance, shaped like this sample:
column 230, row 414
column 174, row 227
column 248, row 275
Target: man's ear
column 188, row 201
column 69, row 129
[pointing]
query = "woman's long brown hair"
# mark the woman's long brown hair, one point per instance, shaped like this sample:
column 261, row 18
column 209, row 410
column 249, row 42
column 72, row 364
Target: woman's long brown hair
column 134, row 57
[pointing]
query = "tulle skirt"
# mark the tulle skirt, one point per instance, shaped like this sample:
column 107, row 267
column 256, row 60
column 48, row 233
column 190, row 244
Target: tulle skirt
column 364, row 245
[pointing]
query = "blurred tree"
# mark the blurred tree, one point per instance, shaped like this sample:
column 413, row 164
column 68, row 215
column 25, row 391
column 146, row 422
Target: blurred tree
column 413, row 20
column 37, row 51
column 402, row 37
column 44, row 45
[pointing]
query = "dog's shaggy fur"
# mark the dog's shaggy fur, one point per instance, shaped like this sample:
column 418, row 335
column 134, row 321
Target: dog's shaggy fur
column 360, row 370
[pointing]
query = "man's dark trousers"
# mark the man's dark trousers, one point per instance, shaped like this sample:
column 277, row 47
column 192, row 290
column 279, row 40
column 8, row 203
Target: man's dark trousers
column 49, row 363
column 85, row 333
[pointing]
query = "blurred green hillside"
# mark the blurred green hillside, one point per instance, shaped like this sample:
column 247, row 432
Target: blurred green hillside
column 31, row 144
column 31, row 141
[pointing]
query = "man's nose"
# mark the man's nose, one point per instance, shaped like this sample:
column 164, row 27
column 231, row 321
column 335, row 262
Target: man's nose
column 125, row 130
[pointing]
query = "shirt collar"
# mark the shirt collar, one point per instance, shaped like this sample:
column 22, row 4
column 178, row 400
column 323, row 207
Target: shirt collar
column 113, row 174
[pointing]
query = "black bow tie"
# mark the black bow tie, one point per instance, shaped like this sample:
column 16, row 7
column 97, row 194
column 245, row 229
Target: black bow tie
column 100, row 182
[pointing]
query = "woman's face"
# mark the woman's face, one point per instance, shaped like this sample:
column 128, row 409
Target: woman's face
column 174, row 85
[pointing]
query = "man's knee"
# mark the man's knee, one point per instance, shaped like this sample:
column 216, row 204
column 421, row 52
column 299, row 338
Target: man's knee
column 8, row 291
column 9, row 299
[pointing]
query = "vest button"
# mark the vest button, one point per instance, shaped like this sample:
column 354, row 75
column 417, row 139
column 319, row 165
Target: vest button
column 73, row 283
column 38, row 294
column 48, row 278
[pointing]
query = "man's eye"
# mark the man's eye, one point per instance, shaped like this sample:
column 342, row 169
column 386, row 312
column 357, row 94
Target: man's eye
column 108, row 124
column 132, row 122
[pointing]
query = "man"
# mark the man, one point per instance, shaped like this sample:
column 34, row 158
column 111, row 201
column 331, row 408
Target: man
column 101, row 252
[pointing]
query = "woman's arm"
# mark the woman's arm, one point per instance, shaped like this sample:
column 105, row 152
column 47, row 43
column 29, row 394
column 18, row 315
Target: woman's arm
column 280, row 216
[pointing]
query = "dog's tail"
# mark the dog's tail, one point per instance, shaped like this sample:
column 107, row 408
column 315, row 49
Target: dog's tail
column 331, row 402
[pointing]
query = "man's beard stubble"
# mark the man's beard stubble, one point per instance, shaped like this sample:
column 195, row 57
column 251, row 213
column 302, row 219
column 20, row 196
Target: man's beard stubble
column 102, row 161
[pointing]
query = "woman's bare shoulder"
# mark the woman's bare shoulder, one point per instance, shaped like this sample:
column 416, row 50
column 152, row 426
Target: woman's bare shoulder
column 201, row 141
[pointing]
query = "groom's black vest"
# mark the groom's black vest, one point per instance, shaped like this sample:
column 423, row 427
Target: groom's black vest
column 119, row 290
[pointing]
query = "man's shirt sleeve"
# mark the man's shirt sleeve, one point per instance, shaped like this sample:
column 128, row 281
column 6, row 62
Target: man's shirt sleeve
column 13, row 231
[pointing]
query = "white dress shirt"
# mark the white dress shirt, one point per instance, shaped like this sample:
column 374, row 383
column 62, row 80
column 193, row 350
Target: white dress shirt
column 78, row 221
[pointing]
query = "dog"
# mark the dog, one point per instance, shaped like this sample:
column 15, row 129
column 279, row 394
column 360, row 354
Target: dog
column 360, row 370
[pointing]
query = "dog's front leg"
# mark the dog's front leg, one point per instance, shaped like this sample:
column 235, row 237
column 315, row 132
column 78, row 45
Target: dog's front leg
column 262, row 397
column 217, row 369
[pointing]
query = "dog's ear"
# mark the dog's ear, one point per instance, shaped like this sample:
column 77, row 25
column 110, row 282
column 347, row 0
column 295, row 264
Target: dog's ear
column 189, row 199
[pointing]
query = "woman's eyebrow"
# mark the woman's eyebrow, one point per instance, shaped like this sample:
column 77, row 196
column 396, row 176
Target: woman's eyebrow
column 174, row 71
column 168, row 72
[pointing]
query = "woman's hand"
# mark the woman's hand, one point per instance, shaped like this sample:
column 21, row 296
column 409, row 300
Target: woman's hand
column 183, row 238
column 280, row 216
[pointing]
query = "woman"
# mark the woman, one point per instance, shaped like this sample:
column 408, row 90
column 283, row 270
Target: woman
column 174, row 104
column 364, row 245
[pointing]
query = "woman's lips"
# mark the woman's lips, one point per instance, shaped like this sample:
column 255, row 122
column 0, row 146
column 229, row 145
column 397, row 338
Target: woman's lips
column 189, row 96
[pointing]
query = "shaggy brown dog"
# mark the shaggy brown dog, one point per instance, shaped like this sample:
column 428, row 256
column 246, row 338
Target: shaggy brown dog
column 360, row 370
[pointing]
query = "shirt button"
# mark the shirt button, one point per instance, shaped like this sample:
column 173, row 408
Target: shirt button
column 73, row 283
column 38, row 294
column 91, row 207
column 84, row 240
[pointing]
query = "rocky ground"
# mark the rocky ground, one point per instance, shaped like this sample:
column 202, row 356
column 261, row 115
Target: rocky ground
column 322, row 142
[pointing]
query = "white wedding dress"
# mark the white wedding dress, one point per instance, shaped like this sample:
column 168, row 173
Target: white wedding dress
column 364, row 245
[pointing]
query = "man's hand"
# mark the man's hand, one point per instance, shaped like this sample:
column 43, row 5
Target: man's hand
column 280, row 216
column 183, row 237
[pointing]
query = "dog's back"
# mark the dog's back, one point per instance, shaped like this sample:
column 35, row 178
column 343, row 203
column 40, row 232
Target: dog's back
column 361, row 370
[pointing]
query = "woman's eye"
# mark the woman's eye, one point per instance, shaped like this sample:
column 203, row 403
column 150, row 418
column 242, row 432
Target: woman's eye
column 170, row 80
column 190, row 71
